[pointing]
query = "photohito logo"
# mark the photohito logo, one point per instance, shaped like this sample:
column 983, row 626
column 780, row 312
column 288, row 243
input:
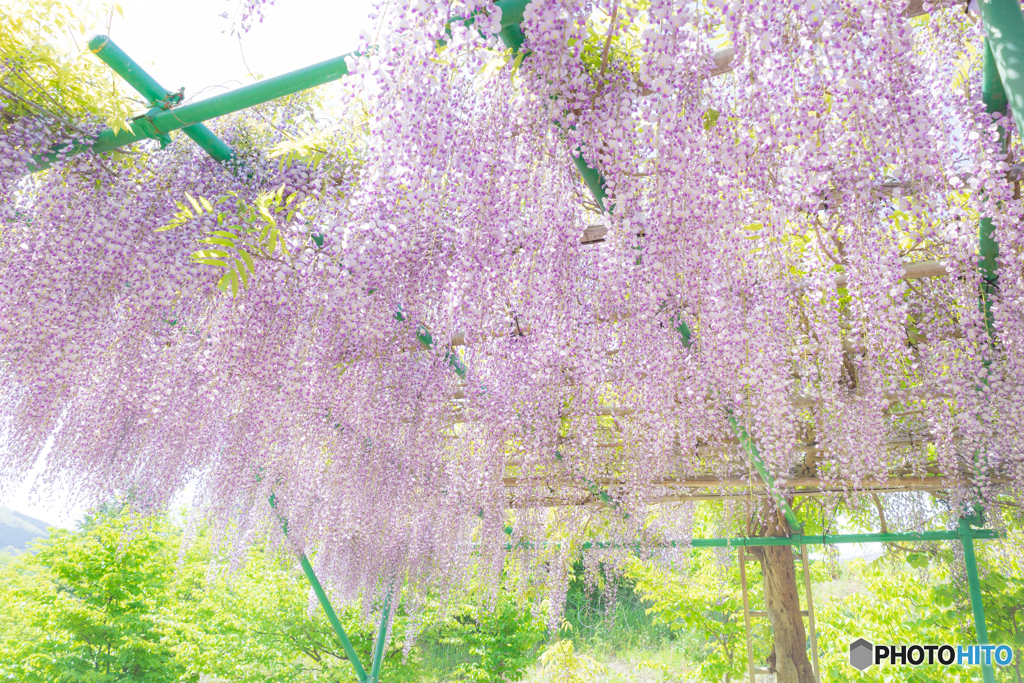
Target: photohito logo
column 863, row 654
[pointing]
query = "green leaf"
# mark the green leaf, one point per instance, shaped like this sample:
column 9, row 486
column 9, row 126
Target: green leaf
column 206, row 253
column 218, row 240
column 710, row 119
column 224, row 282
column 194, row 203
column 242, row 273
column 248, row 261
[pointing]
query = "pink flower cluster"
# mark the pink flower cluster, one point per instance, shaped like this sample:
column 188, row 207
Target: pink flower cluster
column 844, row 143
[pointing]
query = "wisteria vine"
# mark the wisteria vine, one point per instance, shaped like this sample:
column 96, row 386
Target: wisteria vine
column 167, row 322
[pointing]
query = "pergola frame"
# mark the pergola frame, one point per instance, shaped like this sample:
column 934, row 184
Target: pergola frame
column 1003, row 86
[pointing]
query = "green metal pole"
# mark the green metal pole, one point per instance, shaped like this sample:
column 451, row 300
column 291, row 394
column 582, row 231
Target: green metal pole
column 755, row 457
column 378, row 653
column 158, row 96
column 750, row 446
column 512, row 11
column 834, row 539
column 332, row 616
column 977, row 607
column 993, row 94
column 158, row 124
column 1004, row 25
column 594, row 180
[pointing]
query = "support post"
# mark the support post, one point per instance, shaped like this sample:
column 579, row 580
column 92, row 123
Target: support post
column 321, row 595
column 812, row 634
column 1004, row 25
column 977, row 607
column 746, row 613
column 378, row 652
column 332, row 617
column 994, row 96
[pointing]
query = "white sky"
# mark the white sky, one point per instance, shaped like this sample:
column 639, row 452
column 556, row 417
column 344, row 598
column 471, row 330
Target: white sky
column 186, row 43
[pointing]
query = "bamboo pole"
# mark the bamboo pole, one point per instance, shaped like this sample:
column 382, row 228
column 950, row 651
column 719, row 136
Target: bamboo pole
column 746, row 613
column 810, row 613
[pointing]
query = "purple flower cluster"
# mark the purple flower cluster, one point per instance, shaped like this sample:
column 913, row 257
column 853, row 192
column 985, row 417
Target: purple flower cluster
column 844, row 143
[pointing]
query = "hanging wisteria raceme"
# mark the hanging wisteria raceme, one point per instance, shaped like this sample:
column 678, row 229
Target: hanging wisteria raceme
column 165, row 321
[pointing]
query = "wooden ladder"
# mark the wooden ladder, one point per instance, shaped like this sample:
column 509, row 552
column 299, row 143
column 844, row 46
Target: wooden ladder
column 748, row 613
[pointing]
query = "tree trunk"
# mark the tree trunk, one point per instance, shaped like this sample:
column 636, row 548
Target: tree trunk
column 782, row 602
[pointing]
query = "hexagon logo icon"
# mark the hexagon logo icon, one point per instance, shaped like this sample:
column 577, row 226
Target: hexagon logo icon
column 861, row 654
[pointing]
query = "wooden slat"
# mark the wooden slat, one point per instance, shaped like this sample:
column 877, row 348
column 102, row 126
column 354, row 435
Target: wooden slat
column 936, row 481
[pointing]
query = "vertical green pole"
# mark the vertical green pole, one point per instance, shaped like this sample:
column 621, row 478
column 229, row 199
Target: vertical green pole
column 1004, row 25
column 994, row 96
column 967, row 538
column 332, row 616
column 378, row 653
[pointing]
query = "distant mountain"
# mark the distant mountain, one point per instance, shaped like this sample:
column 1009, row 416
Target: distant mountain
column 17, row 529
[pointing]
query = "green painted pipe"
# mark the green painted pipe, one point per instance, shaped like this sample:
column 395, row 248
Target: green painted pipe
column 512, row 11
column 230, row 102
column 332, row 616
column 378, row 653
column 159, row 124
column 158, row 96
column 1004, row 26
column 994, row 97
column 750, row 447
column 593, row 180
column 967, row 536
column 755, row 457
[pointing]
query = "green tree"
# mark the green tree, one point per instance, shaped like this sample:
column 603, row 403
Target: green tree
column 86, row 606
column 706, row 600
column 499, row 640
column 255, row 624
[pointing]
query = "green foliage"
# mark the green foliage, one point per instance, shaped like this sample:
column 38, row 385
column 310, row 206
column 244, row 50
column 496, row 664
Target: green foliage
column 123, row 600
column 560, row 663
column 1003, row 598
column 87, row 606
column 252, row 233
column 615, row 41
column 499, row 638
column 706, row 600
column 49, row 76
column 894, row 605
column 254, row 625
